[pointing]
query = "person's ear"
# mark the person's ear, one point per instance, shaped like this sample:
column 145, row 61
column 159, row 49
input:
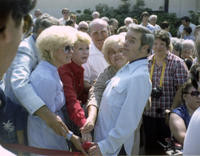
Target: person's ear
column 5, row 36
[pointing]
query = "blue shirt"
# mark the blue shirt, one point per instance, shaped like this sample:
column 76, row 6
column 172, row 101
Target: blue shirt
column 183, row 113
column 48, row 86
column 12, row 119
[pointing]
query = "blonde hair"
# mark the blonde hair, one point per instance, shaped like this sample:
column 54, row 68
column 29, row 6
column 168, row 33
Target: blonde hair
column 53, row 38
column 110, row 43
column 82, row 37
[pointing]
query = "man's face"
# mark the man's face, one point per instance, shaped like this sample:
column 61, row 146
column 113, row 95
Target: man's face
column 98, row 33
column 132, row 45
column 185, row 24
column 9, row 41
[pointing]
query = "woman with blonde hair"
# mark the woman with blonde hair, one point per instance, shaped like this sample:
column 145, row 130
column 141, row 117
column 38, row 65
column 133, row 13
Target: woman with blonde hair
column 55, row 47
column 72, row 78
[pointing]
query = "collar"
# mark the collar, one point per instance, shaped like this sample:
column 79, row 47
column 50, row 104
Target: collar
column 138, row 59
column 94, row 50
column 49, row 65
column 168, row 57
column 75, row 68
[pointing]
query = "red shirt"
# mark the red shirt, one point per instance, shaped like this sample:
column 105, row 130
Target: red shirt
column 71, row 76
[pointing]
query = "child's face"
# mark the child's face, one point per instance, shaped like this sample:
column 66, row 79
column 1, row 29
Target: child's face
column 81, row 53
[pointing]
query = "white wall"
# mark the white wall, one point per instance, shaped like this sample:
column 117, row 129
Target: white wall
column 53, row 7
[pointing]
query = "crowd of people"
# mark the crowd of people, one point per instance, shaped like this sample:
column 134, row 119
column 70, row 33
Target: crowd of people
column 95, row 87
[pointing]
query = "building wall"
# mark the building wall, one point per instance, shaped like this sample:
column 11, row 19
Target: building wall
column 53, row 7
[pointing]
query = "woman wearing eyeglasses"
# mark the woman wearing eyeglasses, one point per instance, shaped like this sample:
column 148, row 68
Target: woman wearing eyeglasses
column 180, row 116
column 54, row 46
column 73, row 84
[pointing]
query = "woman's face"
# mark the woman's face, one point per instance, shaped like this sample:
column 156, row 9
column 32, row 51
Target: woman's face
column 81, row 53
column 159, row 46
column 63, row 55
column 192, row 98
column 116, row 57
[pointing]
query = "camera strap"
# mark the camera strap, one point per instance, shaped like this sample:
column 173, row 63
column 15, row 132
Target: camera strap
column 163, row 71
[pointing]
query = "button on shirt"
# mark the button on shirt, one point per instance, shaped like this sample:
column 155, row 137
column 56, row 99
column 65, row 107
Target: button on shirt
column 95, row 64
column 121, row 108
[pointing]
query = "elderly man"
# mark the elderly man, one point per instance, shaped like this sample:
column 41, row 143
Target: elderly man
column 125, row 97
column 11, row 23
column 98, row 30
column 66, row 16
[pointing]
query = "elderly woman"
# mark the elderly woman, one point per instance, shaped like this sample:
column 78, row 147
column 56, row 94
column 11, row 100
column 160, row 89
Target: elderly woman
column 167, row 72
column 72, row 77
column 180, row 117
column 55, row 46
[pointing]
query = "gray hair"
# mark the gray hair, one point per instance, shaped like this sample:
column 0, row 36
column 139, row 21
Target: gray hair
column 153, row 16
column 99, row 22
column 147, row 38
column 44, row 22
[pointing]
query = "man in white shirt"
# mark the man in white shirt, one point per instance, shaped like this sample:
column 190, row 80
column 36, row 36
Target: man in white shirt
column 185, row 23
column 125, row 97
column 66, row 15
column 98, row 30
column 153, row 20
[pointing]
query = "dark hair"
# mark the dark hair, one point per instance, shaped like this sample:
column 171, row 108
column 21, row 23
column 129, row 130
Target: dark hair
column 186, row 86
column 185, row 18
column 69, row 22
column 194, row 75
column 164, row 25
column 17, row 8
column 164, row 36
column 188, row 30
column 145, row 13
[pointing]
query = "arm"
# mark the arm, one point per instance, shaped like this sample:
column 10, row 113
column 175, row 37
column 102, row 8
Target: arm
column 95, row 95
column 74, row 109
column 177, row 127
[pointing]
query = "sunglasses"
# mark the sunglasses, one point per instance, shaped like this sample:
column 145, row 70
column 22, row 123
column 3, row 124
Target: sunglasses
column 194, row 93
column 68, row 48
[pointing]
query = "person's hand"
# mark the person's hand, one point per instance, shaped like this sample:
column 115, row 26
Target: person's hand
column 88, row 126
column 94, row 150
column 78, row 144
column 53, row 121
column 86, row 137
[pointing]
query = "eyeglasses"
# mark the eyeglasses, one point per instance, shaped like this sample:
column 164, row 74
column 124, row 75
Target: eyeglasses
column 68, row 48
column 194, row 93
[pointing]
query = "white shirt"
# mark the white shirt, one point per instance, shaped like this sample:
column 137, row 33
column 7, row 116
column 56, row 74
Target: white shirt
column 47, row 84
column 121, row 108
column 192, row 138
column 62, row 21
column 95, row 64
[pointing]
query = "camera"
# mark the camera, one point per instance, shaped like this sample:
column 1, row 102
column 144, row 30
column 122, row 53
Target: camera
column 156, row 92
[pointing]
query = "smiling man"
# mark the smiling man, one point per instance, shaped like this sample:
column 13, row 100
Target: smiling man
column 125, row 97
column 98, row 30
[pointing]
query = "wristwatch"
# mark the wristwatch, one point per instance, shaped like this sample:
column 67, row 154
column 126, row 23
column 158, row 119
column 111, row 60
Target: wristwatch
column 69, row 135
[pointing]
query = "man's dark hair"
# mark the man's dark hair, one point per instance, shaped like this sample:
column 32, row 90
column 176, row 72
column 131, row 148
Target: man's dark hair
column 16, row 8
column 163, row 36
column 185, row 18
column 164, row 25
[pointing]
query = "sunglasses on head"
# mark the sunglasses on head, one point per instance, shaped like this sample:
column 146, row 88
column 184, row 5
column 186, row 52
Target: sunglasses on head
column 68, row 48
column 194, row 93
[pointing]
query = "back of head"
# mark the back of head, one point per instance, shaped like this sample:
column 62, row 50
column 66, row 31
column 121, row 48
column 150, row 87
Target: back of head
column 147, row 38
column 17, row 8
column 44, row 22
column 164, row 25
